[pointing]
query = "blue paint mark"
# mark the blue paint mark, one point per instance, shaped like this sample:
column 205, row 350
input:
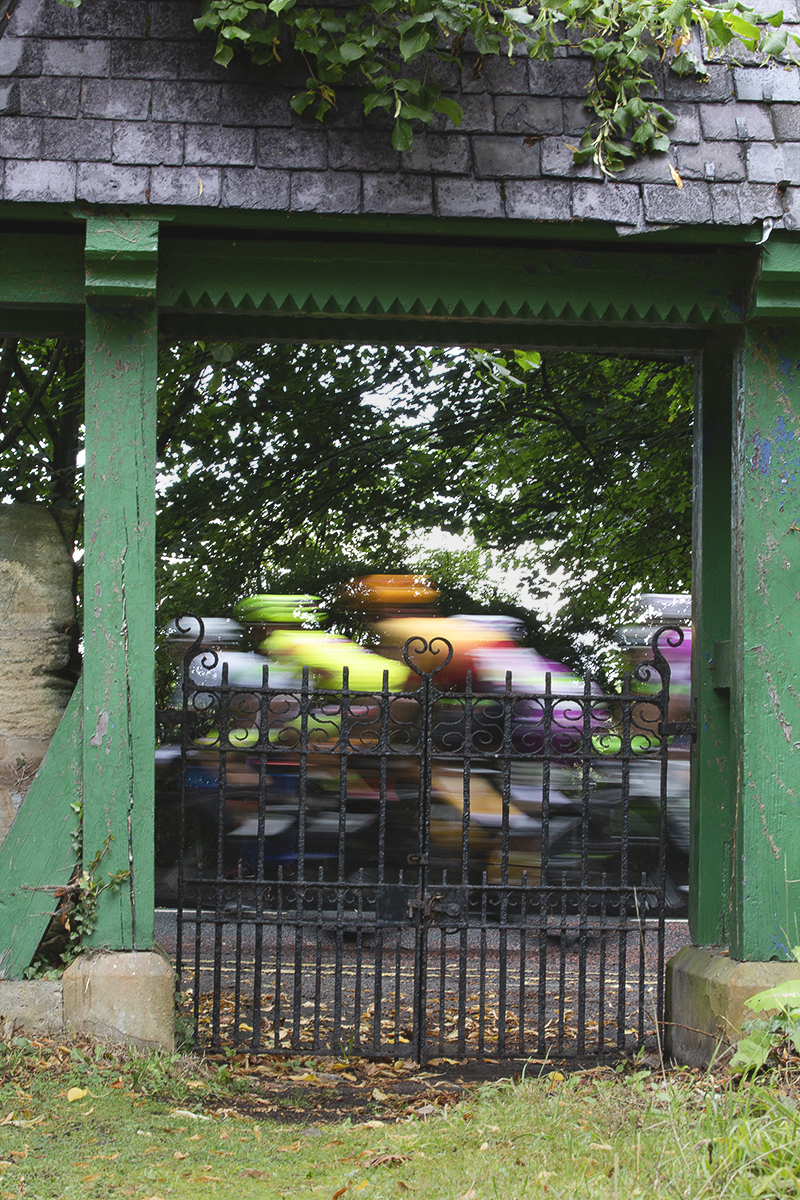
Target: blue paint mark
column 777, row 455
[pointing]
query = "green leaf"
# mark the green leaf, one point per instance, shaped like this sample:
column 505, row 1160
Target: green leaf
column 676, row 11
column 751, row 1052
column 223, row 55
column 350, row 52
column 450, row 109
column 402, row 136
column 301, row 101
column 412, row 45
column 783, row 996
column 774, row 42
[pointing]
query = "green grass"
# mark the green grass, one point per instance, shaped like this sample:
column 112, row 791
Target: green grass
column 171, row 1126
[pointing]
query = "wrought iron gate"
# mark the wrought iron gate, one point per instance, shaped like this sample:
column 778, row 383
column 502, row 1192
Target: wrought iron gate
column 427, row 872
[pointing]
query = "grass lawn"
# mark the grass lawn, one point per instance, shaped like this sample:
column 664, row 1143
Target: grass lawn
column 83, row 1120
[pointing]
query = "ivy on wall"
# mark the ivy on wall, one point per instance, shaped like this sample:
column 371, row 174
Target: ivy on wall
column 388, row 47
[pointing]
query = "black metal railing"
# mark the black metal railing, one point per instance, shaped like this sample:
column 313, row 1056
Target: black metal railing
column 422, row 872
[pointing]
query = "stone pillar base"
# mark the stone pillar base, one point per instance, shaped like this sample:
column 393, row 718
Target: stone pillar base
column 122, row 996
column 32, row 1006
column 705, row 995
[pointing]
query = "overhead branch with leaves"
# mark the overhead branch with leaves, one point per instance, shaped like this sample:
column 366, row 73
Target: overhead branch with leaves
column 381, row 45
column 388, row 47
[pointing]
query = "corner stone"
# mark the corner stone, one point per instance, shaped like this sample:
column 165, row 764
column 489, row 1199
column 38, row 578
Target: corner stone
column 126, row 997
column 706, row 993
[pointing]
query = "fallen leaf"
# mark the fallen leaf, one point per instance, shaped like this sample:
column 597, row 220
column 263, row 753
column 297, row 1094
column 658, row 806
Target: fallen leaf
column 90, row 1178
column 676, row 176
column 210, row 1178
column 195, row 1083
column 254, row 1173
column 377, row 1094
column 184, row 1112
column 340, row 1192
column 386, row 1160
column 469, row 1195
column 87, row 1112
column 372, row 1125
column 180, row 1154
column 76, row 1093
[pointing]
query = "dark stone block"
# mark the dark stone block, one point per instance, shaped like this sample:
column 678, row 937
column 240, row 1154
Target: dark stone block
column 468, row 198
column 122, row 98
column 686, row 130
column 10, row 98
column 478, row 115
column 505, row 157
column 81, row 140
column 246, row 104
column 21, row 137
column 576, row 117
column 325, row 191
column 653, row 168
column 438, row 154
column 742, row 122
column 113, row 18
column 197, row 62
column 253, row 188
column 173, row 19
column 181, row 100
column 718, row 85
column 23, row 56
column 768, row 163
column 218, row 146
column 620, row 203
column 105, row 183
column 410, row 195
column 561, row 78
column 43, row 182
column 538, row 200
column 82, row 57
column 503, row 76
column 185, row 185
column 147, row 144
column 49, row 96
column 42, row 18
column 557, row 160
column 723, row 161
column 367, row 150
column 528, row 114
column 299, row 149
column 767, row 83
column 151, row 59
column 786, row 120
column 670, row 205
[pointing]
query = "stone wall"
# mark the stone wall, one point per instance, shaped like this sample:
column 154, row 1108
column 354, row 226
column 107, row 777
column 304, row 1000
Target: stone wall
column 37, row 615
column 119, row 102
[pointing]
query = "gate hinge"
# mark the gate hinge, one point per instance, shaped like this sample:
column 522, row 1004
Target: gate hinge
column 678, row 729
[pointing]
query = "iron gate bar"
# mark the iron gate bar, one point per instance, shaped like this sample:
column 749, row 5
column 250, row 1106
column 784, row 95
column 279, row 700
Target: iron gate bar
column 397, row 906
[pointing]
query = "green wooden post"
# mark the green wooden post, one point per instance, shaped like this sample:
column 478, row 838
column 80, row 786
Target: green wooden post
column 765, row 643
column 119, row 572
column 712, row 778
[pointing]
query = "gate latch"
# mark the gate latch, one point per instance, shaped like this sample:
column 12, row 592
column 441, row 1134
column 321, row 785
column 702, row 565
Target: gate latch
column 441, row 907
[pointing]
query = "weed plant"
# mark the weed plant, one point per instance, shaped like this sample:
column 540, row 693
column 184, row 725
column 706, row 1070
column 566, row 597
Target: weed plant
column 83, row 1120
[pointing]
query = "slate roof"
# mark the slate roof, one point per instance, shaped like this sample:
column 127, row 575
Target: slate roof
column 120, row 102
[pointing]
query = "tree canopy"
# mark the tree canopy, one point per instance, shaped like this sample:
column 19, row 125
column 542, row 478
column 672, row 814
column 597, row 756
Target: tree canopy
column 293, row 467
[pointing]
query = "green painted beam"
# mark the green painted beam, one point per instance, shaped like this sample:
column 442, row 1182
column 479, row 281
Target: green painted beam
column 712, row 773
column 444, row 283
column 765, row 646
column 119, row 577
column 38, row 856
column 42, row 269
